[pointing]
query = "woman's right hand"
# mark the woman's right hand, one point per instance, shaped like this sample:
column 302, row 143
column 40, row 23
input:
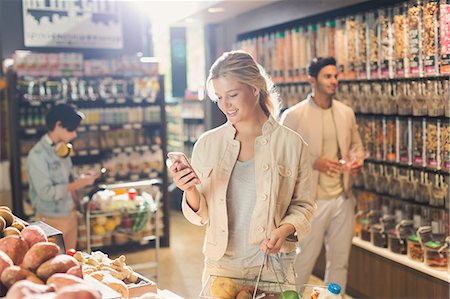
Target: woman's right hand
column 184, row 179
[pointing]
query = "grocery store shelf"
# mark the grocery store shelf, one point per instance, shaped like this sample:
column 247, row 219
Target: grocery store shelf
column 401, row 259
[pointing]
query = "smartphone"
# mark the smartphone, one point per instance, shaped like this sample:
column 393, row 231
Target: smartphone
column 183, row 162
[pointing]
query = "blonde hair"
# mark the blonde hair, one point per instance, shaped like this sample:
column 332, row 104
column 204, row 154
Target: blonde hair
column 245, row 69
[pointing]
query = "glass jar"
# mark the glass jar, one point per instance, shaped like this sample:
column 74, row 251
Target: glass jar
column 377, row 236
column 403, row 99
column 436, row 254
column 418, row 142
column 414, row 41
column 414, row 249
column 397, row 238
column 373, row 219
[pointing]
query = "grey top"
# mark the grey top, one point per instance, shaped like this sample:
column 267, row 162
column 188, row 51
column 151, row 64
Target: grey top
column 241, row 200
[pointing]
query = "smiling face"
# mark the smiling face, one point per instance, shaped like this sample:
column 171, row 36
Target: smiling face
column 238, row 101
column 326, row 82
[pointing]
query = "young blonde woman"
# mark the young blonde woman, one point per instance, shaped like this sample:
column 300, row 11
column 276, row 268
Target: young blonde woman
column 254, row 189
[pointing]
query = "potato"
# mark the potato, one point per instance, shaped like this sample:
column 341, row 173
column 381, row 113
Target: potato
column 11, row 231
column 24, row 288
column 8, row 216
column 60, row 280
column 59, row 264
column 33, row 234
column 38, row 254
column 15, row 247
column 2, row 223
column 13, row 274
column 5, row 262
column 78, row 291
column 19, row 225
column 76, row 271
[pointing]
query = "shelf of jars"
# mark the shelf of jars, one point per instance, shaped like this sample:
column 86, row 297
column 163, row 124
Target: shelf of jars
column 402, row 259
column 407, row 39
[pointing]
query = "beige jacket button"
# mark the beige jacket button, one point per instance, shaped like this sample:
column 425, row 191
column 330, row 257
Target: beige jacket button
column 266, row 167
column 261, row 229
column 264, row 197
column 264, row 141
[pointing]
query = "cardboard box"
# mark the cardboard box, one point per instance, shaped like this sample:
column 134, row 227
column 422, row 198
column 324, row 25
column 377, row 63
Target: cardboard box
column 141, row 286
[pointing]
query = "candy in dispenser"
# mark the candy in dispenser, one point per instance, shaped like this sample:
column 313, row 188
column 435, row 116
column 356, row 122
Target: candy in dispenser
column 405, row 140
column 408, row 191
column 435, row 102
column 373, row 219
column 404, row 101
column 444, row 18
column 378, row 232
column 401, row 40
column 444, row 140
column 414, row 37
column 390, row 140
column 436, row 254
column 423, row 188
column 430, row 35
column 416, row 91
column 378, row 138
column 419, row 139
column 438, row 191
column 397, row 237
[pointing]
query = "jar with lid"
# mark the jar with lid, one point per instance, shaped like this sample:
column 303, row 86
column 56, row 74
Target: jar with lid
column 350, row 30
column 415, row 242
column 373, row 219
column 378, row 232
column 436, row 254
column 397, row 237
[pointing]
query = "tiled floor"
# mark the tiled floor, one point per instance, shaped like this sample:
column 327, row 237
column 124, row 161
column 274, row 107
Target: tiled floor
column 181, row 264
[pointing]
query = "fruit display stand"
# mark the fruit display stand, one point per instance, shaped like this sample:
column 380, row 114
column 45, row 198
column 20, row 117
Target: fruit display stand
column 133, row 220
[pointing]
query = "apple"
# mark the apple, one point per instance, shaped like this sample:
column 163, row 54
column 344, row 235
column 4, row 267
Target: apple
column 289, row 294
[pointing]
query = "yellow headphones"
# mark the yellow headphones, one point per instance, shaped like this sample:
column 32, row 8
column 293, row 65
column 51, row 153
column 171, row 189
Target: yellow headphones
column 64, row 150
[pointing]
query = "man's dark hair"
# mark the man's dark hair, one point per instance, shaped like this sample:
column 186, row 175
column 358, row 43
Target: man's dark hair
column 66, row 114
column 319, row 63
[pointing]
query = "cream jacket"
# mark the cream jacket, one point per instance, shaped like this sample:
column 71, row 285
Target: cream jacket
column 282, row 185
column 306, row 119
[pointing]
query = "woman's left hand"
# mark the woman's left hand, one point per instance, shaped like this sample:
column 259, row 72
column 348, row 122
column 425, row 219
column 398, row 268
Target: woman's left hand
column 276, row 239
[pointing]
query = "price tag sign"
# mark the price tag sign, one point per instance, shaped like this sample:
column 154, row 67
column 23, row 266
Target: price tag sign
column 95, row 152
column 32, row 131
column 121, row 100
column 104, row 128
column 83, row 153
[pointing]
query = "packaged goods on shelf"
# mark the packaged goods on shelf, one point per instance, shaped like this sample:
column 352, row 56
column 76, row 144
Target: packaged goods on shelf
column 386, row 43
column 341, row 48
column 415, row 38
column 401, row 46
column 444, row 17
column 351, row 34
column 373, row 44
column 430, row 37
column 361, row 46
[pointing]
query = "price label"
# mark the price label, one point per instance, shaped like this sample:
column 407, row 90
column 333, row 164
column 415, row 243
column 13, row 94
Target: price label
column 137, row 125
column 32, row 131
column 83, row 153
column 121, row 100
column 129, row 149
column 104, row 128
column 109, row 101
column 117, row 150
column 95, row 152
column 137, row 100
column 35, row 103
column 81, row 129
column 127, row 126
column 93, row 128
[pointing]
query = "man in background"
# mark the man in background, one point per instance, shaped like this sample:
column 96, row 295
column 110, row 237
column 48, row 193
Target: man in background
column 336, row 153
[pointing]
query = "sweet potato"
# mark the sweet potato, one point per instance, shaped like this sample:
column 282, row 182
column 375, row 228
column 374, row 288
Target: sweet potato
column 33, row 234
column 15, row 247
column 76, row 271
column 5, row 262
column 59, row 264
column 60, row 280
column 13, row 274
column 24, row 288
column 38, row 254
column 78, row 291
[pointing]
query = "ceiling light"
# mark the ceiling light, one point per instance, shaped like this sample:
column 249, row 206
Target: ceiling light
column 216, row 9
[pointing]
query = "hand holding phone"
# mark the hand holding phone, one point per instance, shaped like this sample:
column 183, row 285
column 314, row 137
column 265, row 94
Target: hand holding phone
column 181, row 161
